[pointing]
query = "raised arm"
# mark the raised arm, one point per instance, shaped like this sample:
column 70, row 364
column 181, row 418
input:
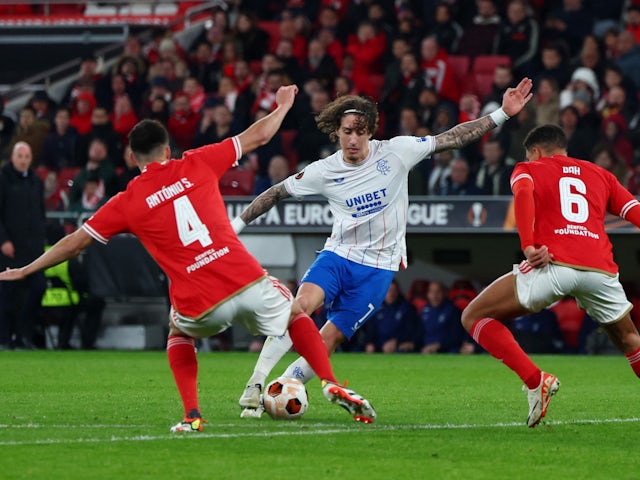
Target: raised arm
column 262, row 203
column 68, row 247
column 260, row 132
column 513, row 100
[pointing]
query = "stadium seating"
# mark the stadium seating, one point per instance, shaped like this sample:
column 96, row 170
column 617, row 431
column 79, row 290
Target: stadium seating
column 486, row 64
column 287, row 137
column 237, row 181
column 460, row 65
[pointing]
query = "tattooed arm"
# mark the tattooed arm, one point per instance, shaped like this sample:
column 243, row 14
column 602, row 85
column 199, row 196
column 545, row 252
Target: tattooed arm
column 513, row 100
column 261, row 204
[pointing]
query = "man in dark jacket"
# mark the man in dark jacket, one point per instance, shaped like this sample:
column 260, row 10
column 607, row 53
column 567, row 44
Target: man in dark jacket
column 22, row 240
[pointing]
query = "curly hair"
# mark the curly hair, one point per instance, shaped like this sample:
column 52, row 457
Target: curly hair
column 329, row 119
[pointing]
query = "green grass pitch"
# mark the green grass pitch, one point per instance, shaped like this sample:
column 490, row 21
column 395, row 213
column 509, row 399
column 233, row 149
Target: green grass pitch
column 106, row 415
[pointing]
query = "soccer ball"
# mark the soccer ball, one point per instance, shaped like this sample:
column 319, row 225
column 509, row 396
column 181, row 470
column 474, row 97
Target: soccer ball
column 285, row 399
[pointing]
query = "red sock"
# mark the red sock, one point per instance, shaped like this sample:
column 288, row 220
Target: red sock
column 184, row 365
column 496, row 339
column 634, row 361
column 308, row 343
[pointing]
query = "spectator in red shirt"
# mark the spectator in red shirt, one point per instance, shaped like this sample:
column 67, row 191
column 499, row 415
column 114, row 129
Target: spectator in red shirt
column 367, row 48
column 438, row 73
column 183, row 123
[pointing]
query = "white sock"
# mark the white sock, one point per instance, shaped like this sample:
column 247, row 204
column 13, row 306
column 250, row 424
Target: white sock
column 273, row 350
column 300, row 370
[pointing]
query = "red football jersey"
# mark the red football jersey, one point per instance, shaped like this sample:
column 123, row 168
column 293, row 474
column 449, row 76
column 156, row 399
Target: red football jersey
column 176, row 211
column 571, row 200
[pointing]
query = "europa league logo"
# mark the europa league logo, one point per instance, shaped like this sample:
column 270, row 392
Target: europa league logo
column 477, row 214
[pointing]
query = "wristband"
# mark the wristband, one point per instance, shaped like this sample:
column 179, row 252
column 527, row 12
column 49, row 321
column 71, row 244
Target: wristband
column 499, row 117
column 238, row 225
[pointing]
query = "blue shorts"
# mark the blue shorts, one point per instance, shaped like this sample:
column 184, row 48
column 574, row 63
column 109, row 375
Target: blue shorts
column 352, row 291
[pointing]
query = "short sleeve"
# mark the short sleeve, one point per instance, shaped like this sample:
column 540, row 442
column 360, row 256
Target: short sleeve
column 309, row 181
column 109, row 220
column 217, row 157
column 412, row 150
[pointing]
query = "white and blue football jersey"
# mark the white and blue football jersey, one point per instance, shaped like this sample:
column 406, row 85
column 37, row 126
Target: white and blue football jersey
column 368, row 201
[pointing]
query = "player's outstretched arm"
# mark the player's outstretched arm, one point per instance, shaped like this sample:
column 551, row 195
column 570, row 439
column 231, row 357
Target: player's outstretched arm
column 262, row 203
column 513, row 100
column 68, row 247
column 264, row 129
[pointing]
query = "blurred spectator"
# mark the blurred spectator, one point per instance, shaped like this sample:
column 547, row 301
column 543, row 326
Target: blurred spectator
column 183, row 122
column 196, row 94
column 60, row 145
column 502, row 79
column 614, row 130
column 439, row 172
column 632, row 21
column 167, row 70
column 277, row 171
column 81, row 110
column 204, row 67
column 332, row 45
column 343, row 86
column 518, row 36
column 92, row 196
column 514, row 133
column 43, row 106
column 123, row 117
column 581, row 137
column 445, row 28
column 29, row 130
column 618, row 96
column 367, row 48
column 101, row 127
column 570, row 22
column 88, row 75
column 253, row 41
column 130, row 171
column 628, row 59
column 7, row 125
column 438, row 74
column 479, row 37
column 554, row 64
column 310, row 143
column 56, row 198
column 633, row 183
column 460, row 180
column 159, row 89
column 159, row 110
column 405, row 92
column 289, row 32
column 133, row 49
column 320, row 65
column 266, row 99
column 605, row 156
column 22, row 240
column 494, row 174
column 440, row 330
column 215, row 124
column 584, row 85
column 546, row 101
column 393, row 325
column 591, row 56
column 238, row 103
column 538, row 332
column 100, row 166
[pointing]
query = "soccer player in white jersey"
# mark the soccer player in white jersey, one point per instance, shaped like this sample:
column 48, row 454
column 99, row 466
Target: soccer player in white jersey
column 176, row 210
column 365, row 183
column 560, row 204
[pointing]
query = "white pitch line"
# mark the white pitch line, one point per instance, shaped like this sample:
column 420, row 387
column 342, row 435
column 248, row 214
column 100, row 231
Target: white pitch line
column 307, row 431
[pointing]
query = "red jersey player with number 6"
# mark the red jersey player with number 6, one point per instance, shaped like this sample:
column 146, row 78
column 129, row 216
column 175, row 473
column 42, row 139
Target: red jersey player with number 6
column 175, row 209
column 560, row 205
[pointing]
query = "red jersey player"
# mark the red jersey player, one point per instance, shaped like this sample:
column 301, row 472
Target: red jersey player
column 175, row 209
column 560, row 205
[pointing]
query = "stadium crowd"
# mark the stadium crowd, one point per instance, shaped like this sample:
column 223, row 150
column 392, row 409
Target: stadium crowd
column 428, row 64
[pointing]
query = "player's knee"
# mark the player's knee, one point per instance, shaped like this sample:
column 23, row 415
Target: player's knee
column 468, row 318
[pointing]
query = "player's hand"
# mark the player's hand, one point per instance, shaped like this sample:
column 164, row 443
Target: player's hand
column 7, row 249
column 514, row 99
column 538, row 257
column 286, row 95
column 12, row 274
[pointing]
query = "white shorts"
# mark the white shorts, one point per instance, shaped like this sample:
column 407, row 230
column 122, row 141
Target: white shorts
column 263, row 309
column 600, row 295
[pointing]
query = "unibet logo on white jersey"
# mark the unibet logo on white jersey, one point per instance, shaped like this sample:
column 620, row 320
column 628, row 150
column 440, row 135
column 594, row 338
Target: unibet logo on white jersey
column 368, row 201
